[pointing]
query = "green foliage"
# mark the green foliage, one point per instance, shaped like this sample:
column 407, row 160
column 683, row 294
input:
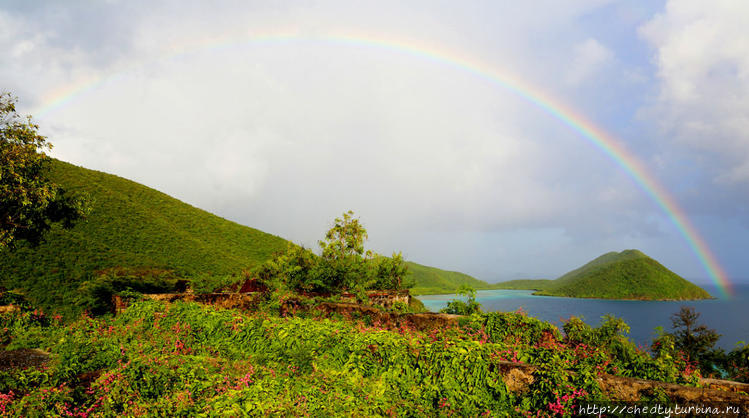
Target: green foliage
column 459, row 307
column 29, row 202
column 295, row 268
column 629, row 274
column 188, row 360
column 516, row 329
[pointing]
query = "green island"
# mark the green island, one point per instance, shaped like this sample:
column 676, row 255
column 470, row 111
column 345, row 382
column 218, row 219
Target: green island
column 118, row 300
column 629, row 274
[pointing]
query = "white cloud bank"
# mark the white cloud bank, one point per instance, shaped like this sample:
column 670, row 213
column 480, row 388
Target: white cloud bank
column 702, row 58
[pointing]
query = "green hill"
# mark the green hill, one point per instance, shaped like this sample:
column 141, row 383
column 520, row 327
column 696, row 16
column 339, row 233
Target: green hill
column 629, row 274
column 134, row 226
column 431, row 280
column 523, row 284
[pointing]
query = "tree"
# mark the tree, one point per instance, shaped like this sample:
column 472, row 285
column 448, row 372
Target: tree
column 344, row 263
column 29, row 202
column 695, row 340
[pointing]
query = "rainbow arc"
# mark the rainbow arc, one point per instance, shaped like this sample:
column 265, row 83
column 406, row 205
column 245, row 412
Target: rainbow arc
column 586, row 129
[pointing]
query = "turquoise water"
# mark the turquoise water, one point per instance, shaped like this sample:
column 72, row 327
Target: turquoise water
column 730, row 317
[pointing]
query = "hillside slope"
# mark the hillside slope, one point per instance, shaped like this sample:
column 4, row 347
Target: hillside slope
column 431, row 280
column 629, row 274
column 134, row 226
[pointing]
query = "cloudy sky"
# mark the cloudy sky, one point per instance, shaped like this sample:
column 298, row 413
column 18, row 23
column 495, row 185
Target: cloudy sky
column 282, row 115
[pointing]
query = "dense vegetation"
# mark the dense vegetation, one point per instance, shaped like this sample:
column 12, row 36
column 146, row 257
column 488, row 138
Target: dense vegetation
column 629, row 274
column 135, row 231
column 186, row 359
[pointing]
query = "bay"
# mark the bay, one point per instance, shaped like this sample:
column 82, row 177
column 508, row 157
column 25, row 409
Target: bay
column 728, row 316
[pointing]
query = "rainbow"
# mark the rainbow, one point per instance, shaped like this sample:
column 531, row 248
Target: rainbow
column 563, row 113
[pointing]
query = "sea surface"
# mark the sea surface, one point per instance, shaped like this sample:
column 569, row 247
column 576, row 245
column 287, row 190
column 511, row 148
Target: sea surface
column 728, row 316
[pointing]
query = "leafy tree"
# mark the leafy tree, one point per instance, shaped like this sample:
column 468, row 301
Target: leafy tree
column 29, row 202
column 694, row 339
column 344, row 263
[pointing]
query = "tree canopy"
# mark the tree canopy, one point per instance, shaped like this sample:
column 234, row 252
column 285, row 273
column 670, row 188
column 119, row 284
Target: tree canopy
column 29, row 202
column 343, row 264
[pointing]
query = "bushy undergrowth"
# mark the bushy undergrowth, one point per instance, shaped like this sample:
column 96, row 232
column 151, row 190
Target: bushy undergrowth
column 186, row 359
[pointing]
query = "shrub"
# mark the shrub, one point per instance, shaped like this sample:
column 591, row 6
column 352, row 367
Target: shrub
column 458, row 307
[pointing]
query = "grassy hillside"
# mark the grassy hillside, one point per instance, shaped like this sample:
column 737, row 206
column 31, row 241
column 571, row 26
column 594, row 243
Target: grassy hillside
column 431, row 280
column 629, row 274
column 134, row 226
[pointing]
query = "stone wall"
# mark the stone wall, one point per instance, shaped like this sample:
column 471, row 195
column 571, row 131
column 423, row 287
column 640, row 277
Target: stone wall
column 386, row 299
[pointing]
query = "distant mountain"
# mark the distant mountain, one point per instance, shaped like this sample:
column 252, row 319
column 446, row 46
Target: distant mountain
column 629, row 274
column 134, row 226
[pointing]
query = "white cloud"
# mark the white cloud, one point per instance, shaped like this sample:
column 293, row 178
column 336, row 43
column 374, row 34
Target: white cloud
column 702, row 57
column 589, row 58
